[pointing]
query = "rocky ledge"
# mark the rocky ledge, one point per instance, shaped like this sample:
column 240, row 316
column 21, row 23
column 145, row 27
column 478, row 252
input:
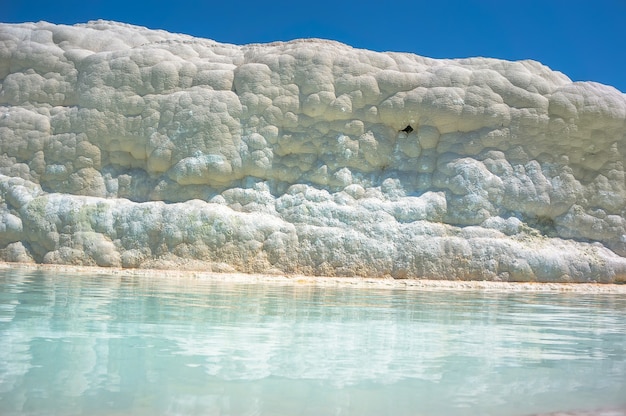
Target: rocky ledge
column 122, row 146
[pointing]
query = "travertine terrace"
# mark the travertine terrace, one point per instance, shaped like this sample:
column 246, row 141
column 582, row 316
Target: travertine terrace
column 122, row 146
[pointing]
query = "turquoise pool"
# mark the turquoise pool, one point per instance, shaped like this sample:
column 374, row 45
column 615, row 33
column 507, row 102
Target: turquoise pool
column 115, row 345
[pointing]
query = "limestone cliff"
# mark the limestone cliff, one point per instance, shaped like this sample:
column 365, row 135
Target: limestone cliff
column 124, row 146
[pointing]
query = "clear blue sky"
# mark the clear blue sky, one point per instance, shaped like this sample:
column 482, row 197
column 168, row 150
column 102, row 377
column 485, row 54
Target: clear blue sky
column 585, row 39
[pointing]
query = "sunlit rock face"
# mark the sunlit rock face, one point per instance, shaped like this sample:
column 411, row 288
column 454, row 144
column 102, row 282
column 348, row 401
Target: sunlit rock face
column 127, row 147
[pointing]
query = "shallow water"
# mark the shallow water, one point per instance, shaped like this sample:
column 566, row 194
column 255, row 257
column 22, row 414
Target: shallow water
column 73, row 344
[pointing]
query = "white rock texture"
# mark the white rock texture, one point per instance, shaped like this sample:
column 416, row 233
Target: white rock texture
column 128, row 147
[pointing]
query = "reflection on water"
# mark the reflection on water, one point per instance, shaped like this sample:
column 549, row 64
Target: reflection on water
column 120, row 345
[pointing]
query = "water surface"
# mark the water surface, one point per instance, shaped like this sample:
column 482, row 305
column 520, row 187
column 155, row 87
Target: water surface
column 111, row 345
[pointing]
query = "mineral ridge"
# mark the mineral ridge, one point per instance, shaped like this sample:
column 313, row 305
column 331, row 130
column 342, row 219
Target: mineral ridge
column 122, row 146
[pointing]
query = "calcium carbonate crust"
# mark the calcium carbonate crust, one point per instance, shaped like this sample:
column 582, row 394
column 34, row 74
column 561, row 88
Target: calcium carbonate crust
column 122, row 146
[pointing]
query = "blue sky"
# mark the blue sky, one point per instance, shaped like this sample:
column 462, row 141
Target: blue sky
column 584, row 39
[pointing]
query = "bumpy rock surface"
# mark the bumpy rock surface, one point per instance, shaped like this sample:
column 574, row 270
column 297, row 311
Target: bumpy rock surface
column 124, row 146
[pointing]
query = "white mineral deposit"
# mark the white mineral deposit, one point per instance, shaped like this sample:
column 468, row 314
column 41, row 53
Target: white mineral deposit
column 122, row 146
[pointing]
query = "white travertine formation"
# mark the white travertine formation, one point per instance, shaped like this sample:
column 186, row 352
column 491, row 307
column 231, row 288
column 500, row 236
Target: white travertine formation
column 124, row 146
